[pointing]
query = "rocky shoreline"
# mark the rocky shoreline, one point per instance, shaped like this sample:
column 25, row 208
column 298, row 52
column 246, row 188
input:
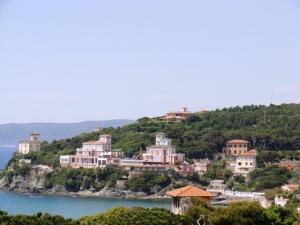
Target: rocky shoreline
column 35, row 186
column 89, row 194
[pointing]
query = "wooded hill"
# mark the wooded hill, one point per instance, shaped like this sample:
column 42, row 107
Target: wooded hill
column 274, row 127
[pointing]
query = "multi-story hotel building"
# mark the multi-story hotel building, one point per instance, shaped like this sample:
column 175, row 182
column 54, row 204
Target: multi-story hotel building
column 31, row 145
column 93, row 154
column 163, row 152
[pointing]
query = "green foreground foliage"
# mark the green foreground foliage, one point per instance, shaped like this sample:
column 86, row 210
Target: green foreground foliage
column 38, row 219
column 241, row 213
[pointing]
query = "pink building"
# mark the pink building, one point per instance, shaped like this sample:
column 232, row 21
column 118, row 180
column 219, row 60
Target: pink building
column 186, row 169
column 163, row 152
column 93, row 154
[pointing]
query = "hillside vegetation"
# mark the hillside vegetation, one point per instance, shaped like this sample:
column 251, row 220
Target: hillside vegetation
column 270, row 128
column 241, row 213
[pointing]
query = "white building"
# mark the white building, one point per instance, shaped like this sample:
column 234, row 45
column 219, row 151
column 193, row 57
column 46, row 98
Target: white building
column 280, row 201
column 217, row 187
column 31, row 145
column 92, row 154
column 163, row 152
column 245, row 163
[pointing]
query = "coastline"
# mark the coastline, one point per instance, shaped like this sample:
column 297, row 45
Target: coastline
column 88, row 194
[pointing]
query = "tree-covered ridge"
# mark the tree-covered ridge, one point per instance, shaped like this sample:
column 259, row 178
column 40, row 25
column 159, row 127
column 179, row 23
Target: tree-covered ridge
column 267, row 127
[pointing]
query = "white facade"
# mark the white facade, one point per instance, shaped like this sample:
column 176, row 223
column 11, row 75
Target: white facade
column 245, row 163
column 201, row 167
column 217, row 187
column 31, row 145
column 280, row 201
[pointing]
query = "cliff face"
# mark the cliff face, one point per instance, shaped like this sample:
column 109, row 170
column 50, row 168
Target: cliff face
column 33, row 182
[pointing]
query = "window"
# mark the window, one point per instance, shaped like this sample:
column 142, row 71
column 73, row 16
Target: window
column 239, row 163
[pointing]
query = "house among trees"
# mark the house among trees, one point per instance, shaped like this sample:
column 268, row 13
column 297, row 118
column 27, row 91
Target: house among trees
column 236, row 147
column 240, row 157
column 245, row 163
column 93, row 154
column 181, row 198
column 178, row 116
column 292, row 165
column 163, row 152
column 31, row 145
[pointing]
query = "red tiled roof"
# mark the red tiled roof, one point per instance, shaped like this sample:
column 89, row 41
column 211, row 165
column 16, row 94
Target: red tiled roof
column 250, row 153
column 238, row 141
column 91, row 142
column 189, row 191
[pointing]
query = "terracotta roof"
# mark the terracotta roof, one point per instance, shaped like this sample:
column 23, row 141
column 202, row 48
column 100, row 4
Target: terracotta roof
column 189, row 191
column 92, row 142
column 105, row 135
column 238, row 141
column 250, row 153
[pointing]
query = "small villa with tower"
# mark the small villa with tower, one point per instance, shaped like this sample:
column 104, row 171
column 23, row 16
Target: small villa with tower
column 182, row 114
column 181, row 198
column 31, row 145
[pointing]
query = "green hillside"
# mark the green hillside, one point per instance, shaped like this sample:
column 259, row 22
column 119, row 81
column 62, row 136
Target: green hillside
column 202, row 134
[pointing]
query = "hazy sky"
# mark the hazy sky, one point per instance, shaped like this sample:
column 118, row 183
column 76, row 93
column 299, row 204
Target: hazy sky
column 71, row 60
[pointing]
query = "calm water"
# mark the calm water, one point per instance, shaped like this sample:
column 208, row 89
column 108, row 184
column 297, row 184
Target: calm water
column 5, row 155
column 70, row 207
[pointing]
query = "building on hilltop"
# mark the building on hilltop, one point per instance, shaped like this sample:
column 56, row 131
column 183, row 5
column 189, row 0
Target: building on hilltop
column 93, row 154
column 178, row 116
column 31, row 145
column 163, row 152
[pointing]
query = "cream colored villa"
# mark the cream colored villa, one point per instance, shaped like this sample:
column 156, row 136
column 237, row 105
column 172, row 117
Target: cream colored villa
column 236, row 147
column 31, row 145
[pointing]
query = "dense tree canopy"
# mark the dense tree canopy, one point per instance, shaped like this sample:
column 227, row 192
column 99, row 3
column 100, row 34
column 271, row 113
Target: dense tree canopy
column 270, row 128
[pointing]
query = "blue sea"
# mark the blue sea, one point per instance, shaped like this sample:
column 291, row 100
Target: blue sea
column 69, row 207
column 5, row 155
